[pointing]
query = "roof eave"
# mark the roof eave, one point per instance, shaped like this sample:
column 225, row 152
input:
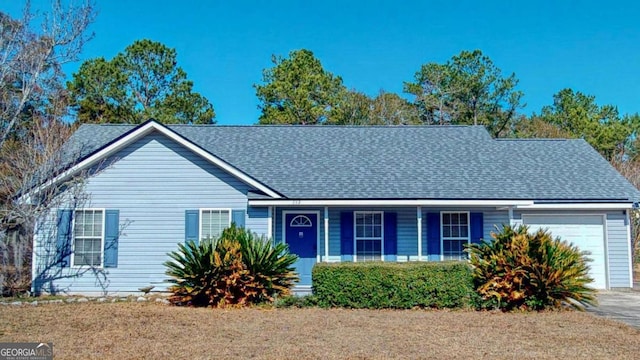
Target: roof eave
column 388, row 202
column 470, row 203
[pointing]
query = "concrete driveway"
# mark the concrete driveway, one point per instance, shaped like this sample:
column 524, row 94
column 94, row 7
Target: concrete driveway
column 622, row 306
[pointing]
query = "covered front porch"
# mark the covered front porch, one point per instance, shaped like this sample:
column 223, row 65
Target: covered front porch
column 334, row 231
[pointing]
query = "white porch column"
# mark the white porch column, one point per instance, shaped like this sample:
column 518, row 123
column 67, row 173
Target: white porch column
column 419, row 218
column 270, row 222
column 512, row 222
column 326, row 234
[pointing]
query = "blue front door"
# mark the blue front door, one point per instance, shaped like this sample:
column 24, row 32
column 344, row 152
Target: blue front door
column 301, row 233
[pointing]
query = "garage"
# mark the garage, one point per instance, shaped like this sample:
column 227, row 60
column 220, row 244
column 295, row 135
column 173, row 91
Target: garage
column 584, row 231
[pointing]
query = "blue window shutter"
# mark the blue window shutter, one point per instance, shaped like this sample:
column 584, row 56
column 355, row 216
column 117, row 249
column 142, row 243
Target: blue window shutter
column 390, row 236
column 433, row 236
column 63, row 240
column 191, row 225
column 346, row 235
column 477, row 231
column 111, row 235
column 237, row 216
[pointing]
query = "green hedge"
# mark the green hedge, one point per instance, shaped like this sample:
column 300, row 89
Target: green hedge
column 377, row 285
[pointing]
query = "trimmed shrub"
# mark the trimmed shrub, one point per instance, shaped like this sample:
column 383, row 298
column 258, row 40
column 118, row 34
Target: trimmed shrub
column 530, row 271
column 236, row 269
column 377, row 285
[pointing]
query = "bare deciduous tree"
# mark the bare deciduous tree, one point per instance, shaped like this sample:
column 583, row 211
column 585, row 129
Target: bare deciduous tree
column 25, row 164
column 390, row 109
column 33, row 105
column 31, row 60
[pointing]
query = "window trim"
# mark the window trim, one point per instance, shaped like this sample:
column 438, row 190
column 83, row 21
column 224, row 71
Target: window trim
column 73, row 238
column 201, row 210
column 459, row 237
column 309, row 224
column 355, row 237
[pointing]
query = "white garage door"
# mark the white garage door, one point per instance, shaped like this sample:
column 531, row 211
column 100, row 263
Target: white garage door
column 584, row 231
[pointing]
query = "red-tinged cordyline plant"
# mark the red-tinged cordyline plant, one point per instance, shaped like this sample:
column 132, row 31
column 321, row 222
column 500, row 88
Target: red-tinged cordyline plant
column 236, row 269
column 522, row 270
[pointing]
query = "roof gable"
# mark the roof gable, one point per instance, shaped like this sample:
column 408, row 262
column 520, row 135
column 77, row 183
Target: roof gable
column 91, row 147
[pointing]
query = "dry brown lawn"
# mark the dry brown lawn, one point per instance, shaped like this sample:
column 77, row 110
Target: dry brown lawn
column 151, row 330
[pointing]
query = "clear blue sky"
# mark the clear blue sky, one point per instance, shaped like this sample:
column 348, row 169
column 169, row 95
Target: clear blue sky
column 589, row 46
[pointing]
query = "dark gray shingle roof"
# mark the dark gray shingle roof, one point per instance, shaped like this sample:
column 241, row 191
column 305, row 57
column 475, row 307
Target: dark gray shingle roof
column 399, row 162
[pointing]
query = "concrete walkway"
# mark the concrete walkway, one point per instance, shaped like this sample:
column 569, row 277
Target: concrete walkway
column 622, row 306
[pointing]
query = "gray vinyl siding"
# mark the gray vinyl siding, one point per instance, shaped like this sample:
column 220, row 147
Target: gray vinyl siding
column 151, row 182
column 618, row 250
column 334, row 233
column 257, row 220
column 493, row 220
column 407, row 234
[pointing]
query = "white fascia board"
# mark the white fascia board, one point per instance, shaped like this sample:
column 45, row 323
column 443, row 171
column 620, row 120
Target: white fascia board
column 577, row 206
column 139, row 133
column 410, row 202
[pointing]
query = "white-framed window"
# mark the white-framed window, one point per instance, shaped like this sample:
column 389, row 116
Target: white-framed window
column 88, row 237
column 455, row 234
column 301, row 221
column 213, row 222
column 368, row 235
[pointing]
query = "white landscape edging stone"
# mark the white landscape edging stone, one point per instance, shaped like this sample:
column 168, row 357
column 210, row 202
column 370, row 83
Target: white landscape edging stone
column 71, row 300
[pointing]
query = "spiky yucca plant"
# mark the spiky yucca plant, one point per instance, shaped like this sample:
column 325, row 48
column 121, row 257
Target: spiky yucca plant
column 191, row 272
column 270, row 264
column 210, row 274
column 236, row 269
column 522, row 270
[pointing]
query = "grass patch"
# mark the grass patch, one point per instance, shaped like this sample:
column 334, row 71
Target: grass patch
column 149, row 330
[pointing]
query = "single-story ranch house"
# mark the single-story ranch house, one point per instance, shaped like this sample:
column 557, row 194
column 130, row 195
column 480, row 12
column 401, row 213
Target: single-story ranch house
column 349, row 193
